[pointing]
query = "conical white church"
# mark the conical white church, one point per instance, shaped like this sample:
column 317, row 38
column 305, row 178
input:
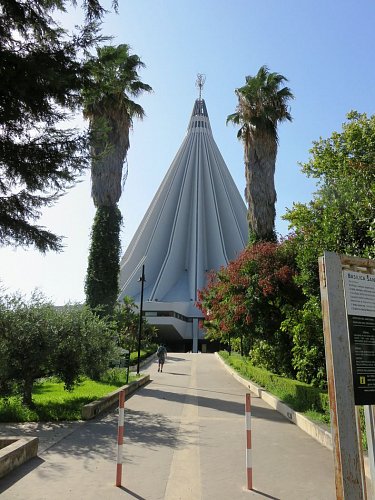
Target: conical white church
column 195, row 223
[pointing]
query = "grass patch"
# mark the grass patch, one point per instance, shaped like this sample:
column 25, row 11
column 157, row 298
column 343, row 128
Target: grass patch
column 143, row 355
column 301, row 397
column 53, row 403
column 315, row 416
column 304, row 398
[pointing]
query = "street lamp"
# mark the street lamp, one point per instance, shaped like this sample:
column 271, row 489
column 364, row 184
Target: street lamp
column 142, row 280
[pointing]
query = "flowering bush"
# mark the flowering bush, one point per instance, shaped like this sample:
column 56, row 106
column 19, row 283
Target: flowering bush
column 250, row 298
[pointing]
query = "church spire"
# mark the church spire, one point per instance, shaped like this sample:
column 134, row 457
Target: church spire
column 201, row 79
column 199, row 109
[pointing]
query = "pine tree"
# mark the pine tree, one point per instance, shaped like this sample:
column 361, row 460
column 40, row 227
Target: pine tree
column 42, row 73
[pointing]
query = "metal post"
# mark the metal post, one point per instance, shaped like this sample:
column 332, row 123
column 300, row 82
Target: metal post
column 120, row 436
column 127, row 364
column 142, row 280
column 249, row 464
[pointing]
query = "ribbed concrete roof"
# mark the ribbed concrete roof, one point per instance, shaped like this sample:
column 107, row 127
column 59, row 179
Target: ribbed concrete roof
column 195, row 223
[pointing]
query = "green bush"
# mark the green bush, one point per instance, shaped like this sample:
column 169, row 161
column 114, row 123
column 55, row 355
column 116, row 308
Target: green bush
column 144, row 354
column 126, row 319
column 308, row 355
column 250, row 299
column 39, row 340
column 298, row 395
column 53, row 403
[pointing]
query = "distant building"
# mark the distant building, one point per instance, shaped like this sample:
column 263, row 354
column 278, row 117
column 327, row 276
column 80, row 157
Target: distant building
column 195, row 223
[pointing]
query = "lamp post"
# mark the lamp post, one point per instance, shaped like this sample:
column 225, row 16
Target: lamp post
column 142, row 280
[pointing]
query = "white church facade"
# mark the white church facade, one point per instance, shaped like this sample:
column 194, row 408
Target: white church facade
column 195, row 223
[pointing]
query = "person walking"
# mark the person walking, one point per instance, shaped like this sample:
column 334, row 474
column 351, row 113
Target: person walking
column 161, row 354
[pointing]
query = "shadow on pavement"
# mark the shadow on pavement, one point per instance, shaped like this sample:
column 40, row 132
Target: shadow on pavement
column 264, row 494
column 199, row 389
column 132, row 493
column 174, row 373
column 153, row 429
column 19, row 473
column 216, row 404
column 96, row 440
column 99, row 437
column 172, row 358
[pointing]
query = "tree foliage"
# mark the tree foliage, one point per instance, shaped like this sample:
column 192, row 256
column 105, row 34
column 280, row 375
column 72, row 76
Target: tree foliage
column 112, row 84
column 39, row 340
column 113, row 80
column 282, row 320
column 101, row 285
column 42, row 74
column 340, row 218
column 250, row 298
column 126, row 318
column 262, row 105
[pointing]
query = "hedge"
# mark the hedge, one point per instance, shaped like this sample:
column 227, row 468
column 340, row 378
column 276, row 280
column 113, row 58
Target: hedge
column 298, row 395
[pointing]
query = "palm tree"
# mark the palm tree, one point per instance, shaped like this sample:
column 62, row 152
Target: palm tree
column 112, row 82
column 262, row 104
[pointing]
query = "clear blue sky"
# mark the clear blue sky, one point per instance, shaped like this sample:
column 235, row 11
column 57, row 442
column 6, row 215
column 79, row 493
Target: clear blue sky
column 324, row 48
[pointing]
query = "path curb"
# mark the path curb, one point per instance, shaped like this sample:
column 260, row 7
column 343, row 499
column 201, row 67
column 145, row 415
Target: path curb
column 144, row 363
column 313, row 429
column 15, row 450
column 94, row 408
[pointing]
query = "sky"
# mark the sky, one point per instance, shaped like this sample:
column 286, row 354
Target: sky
column 324, row 49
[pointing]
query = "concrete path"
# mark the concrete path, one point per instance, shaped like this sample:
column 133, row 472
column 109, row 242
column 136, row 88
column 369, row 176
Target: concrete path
column 184, row 440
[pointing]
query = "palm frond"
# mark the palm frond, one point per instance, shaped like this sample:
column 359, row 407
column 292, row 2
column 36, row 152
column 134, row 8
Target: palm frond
column 107, row 103
column 262, row 104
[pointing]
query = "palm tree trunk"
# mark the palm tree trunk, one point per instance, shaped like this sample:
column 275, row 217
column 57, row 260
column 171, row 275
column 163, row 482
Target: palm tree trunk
column 107, row 165
column 101, row 285
column 260, row 189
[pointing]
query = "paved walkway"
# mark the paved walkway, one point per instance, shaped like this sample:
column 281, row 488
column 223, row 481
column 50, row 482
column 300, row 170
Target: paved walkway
column 184, row 440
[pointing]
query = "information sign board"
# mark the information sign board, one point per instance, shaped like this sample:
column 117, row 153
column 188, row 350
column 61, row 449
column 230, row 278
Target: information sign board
column 360, row 305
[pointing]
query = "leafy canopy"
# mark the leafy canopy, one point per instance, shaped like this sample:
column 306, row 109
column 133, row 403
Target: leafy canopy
column 126, row 318
column 261, row 104
column 250, row 298
column 107, row 97
column 42, row 74
column 340, row 217
column 113, row 79
column 39, row 340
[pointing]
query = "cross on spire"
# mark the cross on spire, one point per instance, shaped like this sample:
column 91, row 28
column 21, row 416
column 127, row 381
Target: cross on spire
column 200, row 83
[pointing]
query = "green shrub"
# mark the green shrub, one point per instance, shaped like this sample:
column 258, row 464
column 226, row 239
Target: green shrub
column 114, row 376
column 53, row 403
column 144, row 354
column 298, row 395
column 39, row 340
column 126, row 319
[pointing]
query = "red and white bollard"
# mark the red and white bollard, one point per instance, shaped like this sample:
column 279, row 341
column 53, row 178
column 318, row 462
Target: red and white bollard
column 249, row 464
column 120, row 436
